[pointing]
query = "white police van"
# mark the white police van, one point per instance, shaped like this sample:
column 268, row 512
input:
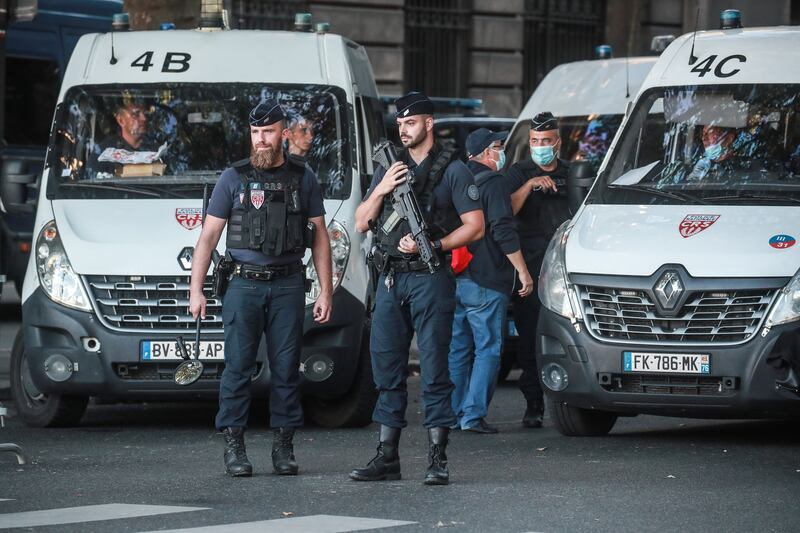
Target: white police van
column 106, row 289
column 589, row 99
column 675, row 289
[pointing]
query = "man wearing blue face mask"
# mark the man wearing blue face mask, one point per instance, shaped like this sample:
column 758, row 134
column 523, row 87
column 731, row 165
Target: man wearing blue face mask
column 718, row 153
column 539, row 201
column 483, row 290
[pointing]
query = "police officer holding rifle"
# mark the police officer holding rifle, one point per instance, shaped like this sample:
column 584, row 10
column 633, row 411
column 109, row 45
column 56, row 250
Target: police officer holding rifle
column 273, row 208
column 420, row 207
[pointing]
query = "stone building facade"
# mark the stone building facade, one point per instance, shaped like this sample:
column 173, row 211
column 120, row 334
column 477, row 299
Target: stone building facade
column 496, row 50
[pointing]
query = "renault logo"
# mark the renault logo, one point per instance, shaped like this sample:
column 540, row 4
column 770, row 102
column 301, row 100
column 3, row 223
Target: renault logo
column 668, row 289
column 185, row 258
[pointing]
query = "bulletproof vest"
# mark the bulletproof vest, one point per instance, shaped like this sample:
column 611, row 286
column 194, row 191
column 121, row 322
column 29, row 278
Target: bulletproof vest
column 427, row 176
column 270, row 218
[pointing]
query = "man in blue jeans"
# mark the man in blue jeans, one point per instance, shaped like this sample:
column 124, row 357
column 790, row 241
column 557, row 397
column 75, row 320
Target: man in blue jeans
column 483, row 290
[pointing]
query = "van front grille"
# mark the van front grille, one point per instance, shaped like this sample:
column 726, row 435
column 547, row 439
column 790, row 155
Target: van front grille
column 710, row 317
column 150, row 303
column 669, row 384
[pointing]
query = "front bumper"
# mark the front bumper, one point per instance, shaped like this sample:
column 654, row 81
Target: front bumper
column 741, row 384
column 115, row 370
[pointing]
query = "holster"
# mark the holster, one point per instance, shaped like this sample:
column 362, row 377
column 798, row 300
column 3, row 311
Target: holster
column 222, row 274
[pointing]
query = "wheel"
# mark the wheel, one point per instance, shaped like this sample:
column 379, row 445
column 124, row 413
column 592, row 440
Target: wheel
column 354, row 409
column 37, row 408
column 576, row 422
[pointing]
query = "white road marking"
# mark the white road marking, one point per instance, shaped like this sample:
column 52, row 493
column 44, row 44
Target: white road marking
column 88, row 513
column 302, row 524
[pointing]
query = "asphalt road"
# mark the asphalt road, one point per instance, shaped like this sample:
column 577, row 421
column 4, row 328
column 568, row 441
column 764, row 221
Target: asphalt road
column 148, row 467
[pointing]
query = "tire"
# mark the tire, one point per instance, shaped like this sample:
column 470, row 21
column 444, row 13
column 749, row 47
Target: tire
column 576, row 422
column 354, row 409
column 36, row 408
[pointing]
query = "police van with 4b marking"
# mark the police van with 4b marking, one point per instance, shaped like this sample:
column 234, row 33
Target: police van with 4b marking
column 145, row 121
column 675, row 289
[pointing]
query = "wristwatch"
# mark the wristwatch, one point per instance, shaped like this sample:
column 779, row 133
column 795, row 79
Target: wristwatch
column 437, row 244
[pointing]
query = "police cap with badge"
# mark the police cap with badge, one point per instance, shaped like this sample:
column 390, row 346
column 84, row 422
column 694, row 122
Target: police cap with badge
column 544, row 122
column 265, row 113
column 413, row 103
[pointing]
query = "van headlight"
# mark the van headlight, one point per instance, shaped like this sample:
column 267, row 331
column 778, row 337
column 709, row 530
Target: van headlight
column 59, row 281
column 787, row 306
column 340, row 253
column 555, row 292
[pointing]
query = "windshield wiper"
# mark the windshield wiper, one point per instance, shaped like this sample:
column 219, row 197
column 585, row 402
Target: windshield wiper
column 674, row 195
column 734, row 197
column 110, row 187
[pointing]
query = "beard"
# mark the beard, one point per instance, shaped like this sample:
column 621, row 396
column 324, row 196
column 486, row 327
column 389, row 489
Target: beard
column 263, row 158
column 413, row 142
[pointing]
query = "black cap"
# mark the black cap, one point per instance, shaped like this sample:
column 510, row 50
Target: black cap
column 414, row 103
column 544, row 122
column 482, row 138
column 266, row 113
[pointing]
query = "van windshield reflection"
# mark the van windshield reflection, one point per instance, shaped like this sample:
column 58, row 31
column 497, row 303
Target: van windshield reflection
column 168, row 140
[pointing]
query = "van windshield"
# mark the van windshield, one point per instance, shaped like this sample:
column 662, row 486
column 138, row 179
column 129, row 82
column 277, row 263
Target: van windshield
column 168, row 140
column 583, row 138
column 724, row 144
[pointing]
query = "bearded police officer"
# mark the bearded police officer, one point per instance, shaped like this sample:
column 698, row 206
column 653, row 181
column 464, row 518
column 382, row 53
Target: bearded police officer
column 539, row 201
column 273, row 207
column 409, row 296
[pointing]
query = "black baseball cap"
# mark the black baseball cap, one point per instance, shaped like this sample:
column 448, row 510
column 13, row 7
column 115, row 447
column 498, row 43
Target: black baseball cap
column 267, row 112
column 480, row 139
column 413, row 103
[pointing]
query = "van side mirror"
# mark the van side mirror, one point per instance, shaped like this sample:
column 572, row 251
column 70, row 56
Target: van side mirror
column 18, row 185
column 579, row 180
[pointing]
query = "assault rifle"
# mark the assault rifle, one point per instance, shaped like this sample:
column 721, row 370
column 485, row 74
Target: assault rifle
column 406, row 207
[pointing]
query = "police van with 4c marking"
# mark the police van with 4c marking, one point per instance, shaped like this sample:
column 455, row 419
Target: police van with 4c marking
column 675, row 289
column 145, row 120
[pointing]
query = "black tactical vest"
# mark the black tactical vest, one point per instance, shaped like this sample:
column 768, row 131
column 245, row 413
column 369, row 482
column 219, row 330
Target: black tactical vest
column 270, row 218
column 426, row 177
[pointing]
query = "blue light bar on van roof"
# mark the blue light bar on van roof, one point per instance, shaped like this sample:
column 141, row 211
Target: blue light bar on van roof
column 604, row 51
column 730, row 19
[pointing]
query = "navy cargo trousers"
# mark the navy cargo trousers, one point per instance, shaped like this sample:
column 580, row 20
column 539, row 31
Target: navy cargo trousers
column 421, row 302
column 250, row 309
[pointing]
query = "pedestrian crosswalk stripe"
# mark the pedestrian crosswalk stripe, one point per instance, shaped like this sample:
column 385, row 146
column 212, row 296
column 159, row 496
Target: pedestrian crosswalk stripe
column 88, row 513
column 301, row 524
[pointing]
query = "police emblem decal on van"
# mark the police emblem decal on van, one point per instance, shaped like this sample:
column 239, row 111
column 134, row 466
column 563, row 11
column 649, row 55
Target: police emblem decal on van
column 189, row 217
column 694, row 224
column 257, row 198
column 781, row 242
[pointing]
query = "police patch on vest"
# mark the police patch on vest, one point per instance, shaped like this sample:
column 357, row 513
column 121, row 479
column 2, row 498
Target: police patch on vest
column 472, row 192
column 257, row 198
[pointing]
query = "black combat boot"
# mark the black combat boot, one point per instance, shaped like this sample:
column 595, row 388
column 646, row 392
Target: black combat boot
column 385, row 465
column 534, row 415
column 283, row 452
column 437, row 458
column 236, row 463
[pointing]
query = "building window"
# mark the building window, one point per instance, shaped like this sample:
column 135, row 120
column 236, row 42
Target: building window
column 437, row 46
column 272, row 15
column 559, row 32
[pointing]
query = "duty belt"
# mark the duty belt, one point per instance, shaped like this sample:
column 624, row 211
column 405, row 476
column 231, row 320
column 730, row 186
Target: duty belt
column 266, row 272
column 399, row 264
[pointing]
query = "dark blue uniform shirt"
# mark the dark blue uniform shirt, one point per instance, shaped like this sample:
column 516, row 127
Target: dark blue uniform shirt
column 226, row 197
column 453, row 189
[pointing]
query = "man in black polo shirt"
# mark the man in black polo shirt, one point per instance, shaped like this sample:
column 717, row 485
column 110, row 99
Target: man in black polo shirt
column 483, row 290
column 539, row 201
